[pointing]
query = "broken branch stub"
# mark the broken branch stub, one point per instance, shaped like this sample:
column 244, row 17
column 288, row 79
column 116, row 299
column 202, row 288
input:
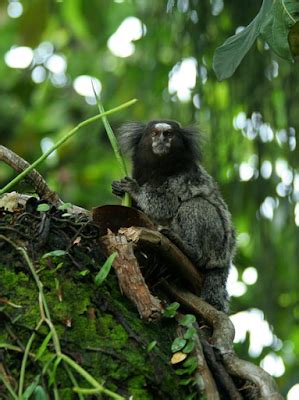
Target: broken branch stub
column 130, row 279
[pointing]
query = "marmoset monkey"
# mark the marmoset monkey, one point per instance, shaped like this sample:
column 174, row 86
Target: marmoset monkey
column 177, row 193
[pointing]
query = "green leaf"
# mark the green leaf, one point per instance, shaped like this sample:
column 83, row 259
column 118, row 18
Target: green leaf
column 60, row 265
column 126, row 201
column 190, row 332
column 277, row 26
column 64, row 206
column 55, row 253
column 190, row 362
column 228, row 56
column 188, row 320
column 185, row 382
column 151, row 345
column 30, row 389
column 43, row 346
column 178, row 344
column 181, row 371
column 40, row 394
column 84, row 272
column 103, row 273
column 43, row 207
column 189, row 347
column 171, row 310
column 52, row 375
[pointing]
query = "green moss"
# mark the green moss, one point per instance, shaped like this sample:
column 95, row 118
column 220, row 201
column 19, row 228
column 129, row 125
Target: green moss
column 83, row 331
column 109, row 328
column 11, row 280
column 137, row 388
column 109, row 343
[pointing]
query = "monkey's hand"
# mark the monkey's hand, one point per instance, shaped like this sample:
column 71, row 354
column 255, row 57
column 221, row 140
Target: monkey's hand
column 125, row 185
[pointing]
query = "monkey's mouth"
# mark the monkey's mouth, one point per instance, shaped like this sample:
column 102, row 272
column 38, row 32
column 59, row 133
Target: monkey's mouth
column 160, row 150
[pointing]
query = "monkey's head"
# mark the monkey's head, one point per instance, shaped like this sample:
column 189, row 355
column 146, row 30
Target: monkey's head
column 163, row 136
column 159, row 141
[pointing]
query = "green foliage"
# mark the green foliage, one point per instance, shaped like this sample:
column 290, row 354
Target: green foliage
column 151, row 345
column 55, row 253
column 62, row 320
column 43, row 207
column 64, row 206
column 275, row 30
column 39, row 393
column 105, row 269
column 231, row 53
column 32, row 388
column 188, row 320
column 273, row 22
column 178, row 344
column 171, row 310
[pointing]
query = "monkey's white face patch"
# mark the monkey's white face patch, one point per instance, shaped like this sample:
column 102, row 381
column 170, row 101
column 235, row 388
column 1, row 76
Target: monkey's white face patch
column 162, row 126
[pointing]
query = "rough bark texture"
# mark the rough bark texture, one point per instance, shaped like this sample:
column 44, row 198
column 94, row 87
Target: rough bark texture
column 130, row 279
column 98, row 327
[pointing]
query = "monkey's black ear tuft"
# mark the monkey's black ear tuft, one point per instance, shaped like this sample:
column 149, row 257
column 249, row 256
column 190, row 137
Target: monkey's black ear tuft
column 193, row 139
column 129, row 135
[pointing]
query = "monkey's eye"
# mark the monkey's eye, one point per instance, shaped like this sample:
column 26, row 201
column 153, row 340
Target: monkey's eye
column 168, row 133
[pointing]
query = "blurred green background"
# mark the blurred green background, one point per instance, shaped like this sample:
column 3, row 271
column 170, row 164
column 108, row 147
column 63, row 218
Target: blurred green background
column 161, row 52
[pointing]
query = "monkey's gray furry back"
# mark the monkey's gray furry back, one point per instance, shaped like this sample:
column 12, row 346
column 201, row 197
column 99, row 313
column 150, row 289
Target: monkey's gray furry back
column 129, row 135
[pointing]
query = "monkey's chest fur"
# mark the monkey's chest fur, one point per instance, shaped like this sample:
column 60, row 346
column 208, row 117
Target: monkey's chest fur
column 192, row 207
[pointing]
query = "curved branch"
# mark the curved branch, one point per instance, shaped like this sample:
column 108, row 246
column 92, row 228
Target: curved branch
column 222, row 340
column 156, row 240
column 34, row 178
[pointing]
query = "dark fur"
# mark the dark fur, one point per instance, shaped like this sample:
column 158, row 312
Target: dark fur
column 179, row 195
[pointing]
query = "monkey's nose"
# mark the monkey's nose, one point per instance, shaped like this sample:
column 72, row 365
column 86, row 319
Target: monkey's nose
column 162, row 137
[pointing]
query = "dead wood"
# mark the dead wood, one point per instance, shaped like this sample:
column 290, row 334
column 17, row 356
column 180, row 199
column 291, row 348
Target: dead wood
column 130, row 279
column 157, row 241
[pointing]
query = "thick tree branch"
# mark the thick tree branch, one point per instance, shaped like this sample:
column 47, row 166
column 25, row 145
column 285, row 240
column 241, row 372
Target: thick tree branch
column 157, row 241
column 222, row 339
column 129, row 276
